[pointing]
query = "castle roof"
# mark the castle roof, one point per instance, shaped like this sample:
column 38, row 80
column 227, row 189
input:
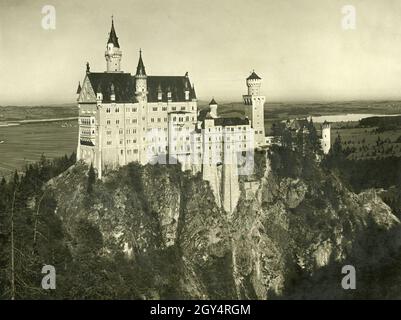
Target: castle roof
column 193, row 93
column 202, row 114
column 212, row 102
column 113, row 36
column 124, row 87
column 122, row 83
column 140, row 69
column 230, row 121
column 226, row 122
column 254, row 76
column 175, row 84
column 79, row 88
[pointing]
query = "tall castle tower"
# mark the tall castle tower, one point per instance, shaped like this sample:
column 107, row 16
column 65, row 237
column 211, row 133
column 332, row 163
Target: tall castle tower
column 113, row 53
column 141, row 80
column 326, row 137
column 257, row 101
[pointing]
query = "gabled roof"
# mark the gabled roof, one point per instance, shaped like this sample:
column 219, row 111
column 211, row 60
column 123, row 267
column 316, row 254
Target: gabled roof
column 254, row 76
column 113, row 36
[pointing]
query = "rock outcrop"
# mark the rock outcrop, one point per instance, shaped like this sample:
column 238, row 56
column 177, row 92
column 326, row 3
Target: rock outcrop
column 284, row 234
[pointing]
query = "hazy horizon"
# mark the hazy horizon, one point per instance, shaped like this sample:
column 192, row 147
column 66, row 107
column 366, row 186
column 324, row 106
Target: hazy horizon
column 224, row 101
column 297, row 47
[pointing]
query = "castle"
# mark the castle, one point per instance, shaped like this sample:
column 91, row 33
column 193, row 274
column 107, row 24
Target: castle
column 155, row 119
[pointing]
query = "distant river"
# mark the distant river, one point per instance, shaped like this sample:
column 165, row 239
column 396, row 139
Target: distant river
column 348, row 117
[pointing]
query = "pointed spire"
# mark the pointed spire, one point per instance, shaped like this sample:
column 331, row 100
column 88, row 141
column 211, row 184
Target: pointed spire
column 254, row 76
column 112, row 35
column 79, row 88
column 88, row 68
column 140, row 69
column 212, row 102
column 193, row 91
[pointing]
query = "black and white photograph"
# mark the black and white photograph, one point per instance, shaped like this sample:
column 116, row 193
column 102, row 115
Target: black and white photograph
column 200, row 150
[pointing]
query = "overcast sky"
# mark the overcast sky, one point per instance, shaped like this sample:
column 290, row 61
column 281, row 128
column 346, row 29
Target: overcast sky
column 298, row 47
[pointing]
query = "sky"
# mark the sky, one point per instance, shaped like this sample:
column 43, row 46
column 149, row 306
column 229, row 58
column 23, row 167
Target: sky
column 298, row 47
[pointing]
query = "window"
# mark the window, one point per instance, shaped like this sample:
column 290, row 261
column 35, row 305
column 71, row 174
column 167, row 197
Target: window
column 108, row 121
column 152, row 120
column 154, row 108
column 122, row 152
column 117, row 121
column 164, row 108
column 182, row 108
column 135, row 120
column 174, row 108
column 134, row 109
column 108, row 143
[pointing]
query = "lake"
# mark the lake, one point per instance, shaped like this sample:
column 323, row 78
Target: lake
column 348, row 117
column 27, row 142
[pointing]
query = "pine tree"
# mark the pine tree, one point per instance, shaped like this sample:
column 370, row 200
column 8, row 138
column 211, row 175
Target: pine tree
column 91, row 179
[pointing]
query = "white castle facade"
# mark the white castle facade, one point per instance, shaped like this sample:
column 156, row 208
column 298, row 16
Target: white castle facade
column 125, row 118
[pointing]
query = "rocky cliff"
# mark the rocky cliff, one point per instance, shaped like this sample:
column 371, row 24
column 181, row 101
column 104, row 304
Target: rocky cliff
column 288, row 237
